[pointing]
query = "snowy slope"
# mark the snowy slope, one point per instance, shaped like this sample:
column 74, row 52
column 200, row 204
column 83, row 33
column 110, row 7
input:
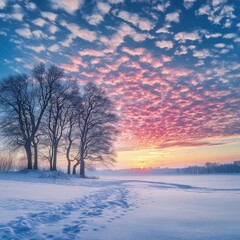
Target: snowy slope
column 33, row 207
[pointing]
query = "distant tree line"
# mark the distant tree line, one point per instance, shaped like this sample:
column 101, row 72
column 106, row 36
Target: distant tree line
column 211, row 168
column 47, row 113
column 208, row 168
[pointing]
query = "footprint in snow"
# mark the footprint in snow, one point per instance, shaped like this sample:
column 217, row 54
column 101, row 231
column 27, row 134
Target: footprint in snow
column 82, row 213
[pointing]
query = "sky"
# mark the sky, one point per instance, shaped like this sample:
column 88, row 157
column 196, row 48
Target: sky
column 171, row 67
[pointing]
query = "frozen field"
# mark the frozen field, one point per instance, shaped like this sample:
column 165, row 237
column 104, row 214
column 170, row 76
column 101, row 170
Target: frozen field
column 34, row 206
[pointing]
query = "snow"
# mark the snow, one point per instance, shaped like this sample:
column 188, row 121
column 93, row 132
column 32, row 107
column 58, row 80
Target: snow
column 43, row 206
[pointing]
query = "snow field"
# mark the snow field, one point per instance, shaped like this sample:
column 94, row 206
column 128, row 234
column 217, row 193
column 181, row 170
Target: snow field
column 119, row 208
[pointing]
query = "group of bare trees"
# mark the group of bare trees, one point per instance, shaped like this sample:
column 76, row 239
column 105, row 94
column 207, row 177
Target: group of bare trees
column 48, row 113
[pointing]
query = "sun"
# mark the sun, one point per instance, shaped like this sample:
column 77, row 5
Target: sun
column 142, row 168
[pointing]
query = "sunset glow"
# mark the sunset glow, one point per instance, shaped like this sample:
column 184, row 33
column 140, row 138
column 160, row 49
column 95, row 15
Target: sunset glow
column 172, row 69
column 179, row 156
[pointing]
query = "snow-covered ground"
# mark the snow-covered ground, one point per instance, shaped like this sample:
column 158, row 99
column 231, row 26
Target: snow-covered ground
column 39, row 206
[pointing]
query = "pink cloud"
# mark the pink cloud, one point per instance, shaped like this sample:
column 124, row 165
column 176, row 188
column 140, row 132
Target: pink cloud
column 78, row 61
column 133, row 52
column 70, row 67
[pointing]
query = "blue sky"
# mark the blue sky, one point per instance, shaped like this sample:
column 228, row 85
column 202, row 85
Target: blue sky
column 172, row 67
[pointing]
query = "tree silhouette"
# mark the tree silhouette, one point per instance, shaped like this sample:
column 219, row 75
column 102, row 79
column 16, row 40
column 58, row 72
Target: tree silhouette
column 96, row 124
column 25, row 99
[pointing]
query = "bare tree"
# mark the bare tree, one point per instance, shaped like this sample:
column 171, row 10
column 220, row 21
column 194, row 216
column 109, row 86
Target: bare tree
column 96, row 124
column 72, row 138
column 25, row 99
column 58, row 115
column 42, row 105
column 14, row 100
column 47, row 81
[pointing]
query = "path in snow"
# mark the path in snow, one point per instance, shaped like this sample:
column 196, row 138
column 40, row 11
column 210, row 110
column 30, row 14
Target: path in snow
column 68, row 220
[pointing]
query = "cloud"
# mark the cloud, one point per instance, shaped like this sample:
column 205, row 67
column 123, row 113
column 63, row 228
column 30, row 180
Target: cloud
column 98, row 14
column 190, row 93
column 179, row 72
column 212, row 35
column 54, row 48
column 188, row 143
column 68, row 41
column 204, row 53
column 17, row 13
column 133, row 52
column 163, row 30
column 172, row 17
column 14, row 16
column 125, row 30
column 49, row 15
column 18, row 59
column 94, row 19
column 164, row 44
column 82, row 33
column 104, row 8
column 217, row 12
column 53, row 28
column 116, row 1
column 145, row 24
column 230, row 35
column 219, row 45
column 36, row 49
column 237, row 40
column 117, row 39
column 204, row 10
column 24, row 32
column 163, row 6
column 216, row 2
column 133, row 18
column 182, row 51
column 184, row 36
column 4, row 16
column 78, row 61
column 92, row 53
column 68, row 6
column 164, row 103
column 31, row 6
column 17, row 16
column 39, row 22
column 188, row 3
column 70, row 67
column 166, row 58
column 3, row 4
column 149, row 59
column 39, row 34
column 3, row 33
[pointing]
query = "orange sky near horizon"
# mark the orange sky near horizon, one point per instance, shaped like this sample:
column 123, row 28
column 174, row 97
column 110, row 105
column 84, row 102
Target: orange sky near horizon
column 179, row 156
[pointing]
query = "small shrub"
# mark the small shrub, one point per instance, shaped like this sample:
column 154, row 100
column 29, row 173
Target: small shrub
column 6, row 164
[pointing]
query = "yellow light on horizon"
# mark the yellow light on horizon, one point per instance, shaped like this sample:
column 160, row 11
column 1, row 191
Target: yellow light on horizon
column 178, row 156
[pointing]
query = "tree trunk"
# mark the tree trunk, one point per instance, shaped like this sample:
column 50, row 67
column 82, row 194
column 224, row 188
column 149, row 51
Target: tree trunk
column 82, row 168
column 51, row 167
column 55, row 148
column 68, row 155
column 74, row 167
column 35, row 166
column 51, row 152
column 69, row 167
column 29, row 155
column 50, row 163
